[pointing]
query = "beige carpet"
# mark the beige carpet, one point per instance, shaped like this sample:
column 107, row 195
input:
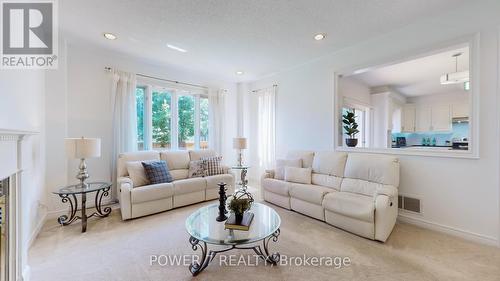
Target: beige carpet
column 116, row 250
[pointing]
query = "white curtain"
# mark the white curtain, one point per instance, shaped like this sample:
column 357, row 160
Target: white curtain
column 123, row 102
column 266, row 127
column 216, row 112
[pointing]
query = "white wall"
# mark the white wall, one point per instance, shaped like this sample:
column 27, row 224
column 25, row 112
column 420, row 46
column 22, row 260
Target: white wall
column 459, row 195
column 82, row 107
column 22, row 107
column 354, row 89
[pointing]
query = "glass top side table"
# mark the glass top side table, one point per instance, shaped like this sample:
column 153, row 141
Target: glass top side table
column 68, row 195
column 243, row 174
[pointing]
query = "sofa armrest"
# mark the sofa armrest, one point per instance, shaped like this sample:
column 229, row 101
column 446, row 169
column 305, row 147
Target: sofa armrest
column 125, row 186
column 387, row 190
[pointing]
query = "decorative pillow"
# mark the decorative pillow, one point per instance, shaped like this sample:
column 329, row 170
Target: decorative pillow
column 137, row 174
column 157, row 172
column 298, row 175
column 213, row 165
column 197, row 168
column 279, row 172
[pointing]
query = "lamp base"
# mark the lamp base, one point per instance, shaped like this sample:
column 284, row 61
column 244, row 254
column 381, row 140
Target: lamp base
column 83, row 174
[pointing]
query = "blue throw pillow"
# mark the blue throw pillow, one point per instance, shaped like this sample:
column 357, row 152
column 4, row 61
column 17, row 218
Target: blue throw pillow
column 157, row 172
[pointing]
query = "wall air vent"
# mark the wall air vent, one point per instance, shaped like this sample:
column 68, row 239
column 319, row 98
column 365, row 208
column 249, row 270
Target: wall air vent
column 409, row 204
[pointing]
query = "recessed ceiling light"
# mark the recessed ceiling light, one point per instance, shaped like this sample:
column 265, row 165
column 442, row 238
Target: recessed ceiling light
column 176, row 48
column 109, row 36
column 239, row 72
column 319, row 36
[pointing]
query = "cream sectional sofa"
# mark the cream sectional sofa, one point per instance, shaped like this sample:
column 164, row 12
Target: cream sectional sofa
column 149, row 199
column 356, row 191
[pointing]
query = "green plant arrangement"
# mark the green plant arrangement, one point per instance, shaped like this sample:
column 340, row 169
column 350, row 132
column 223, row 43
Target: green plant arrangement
column 350, row 128
column 239, row 206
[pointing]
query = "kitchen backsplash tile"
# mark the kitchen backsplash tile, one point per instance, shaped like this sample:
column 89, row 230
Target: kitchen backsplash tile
column 460, row 131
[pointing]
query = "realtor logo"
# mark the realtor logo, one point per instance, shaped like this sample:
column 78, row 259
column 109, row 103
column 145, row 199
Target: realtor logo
column 29, row 35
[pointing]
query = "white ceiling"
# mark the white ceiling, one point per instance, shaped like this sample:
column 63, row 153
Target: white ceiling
column 260, row 37
column 420, row 76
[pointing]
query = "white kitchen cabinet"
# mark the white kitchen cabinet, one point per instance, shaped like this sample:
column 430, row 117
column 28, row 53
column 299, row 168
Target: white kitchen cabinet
column 441, row 118
column 408, row 119
column 423, row 119
column 460, row 110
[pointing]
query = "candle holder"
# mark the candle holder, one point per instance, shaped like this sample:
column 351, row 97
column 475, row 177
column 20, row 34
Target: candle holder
column 222, row 202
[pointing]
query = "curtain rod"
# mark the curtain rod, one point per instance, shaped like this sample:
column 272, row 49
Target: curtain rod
column 107, row 68
column 257, row 90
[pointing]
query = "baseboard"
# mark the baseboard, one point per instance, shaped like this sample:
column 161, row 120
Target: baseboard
column 37, row 230
column 483, row 239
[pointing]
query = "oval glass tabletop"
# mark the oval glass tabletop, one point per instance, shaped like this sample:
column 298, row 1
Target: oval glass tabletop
column 78, row 188
column 203, row 226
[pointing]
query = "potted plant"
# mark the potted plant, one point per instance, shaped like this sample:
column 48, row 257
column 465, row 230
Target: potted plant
column 350, row 128
column 239, row 206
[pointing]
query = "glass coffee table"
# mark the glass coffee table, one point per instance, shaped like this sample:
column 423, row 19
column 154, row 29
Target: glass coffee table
column 204, row 229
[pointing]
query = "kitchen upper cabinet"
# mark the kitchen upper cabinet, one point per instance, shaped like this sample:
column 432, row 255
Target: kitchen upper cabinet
column 460, row 110
column 441, row 118
column 423, row 119
column 408, row 118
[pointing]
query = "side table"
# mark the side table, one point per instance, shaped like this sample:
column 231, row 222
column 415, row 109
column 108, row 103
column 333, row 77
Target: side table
column 68, row 195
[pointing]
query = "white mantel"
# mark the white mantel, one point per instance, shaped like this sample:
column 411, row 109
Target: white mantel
column 11, row 167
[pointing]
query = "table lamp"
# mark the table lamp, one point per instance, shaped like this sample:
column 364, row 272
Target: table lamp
column 240, row 144
column 83, row 148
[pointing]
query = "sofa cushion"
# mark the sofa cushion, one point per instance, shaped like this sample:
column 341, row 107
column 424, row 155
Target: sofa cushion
column 137, row 173
column 197, row 168
column 352, row 205
column 276, row 186
column 123, row 158
column 306, row 156
column 179, row 174
column 360, row 186
column 326, row 180
column 157, row 172
column 202, row 153
column 329, row 163
column 151, row 192
column 175, row 159
column 189, row 185
column 298, row 175
column 373, row 167
column 279, row 171
column 309, row 193
column 212, row 181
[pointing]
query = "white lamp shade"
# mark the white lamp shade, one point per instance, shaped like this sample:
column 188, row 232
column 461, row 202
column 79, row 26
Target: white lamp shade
column 239, row 143
column 83, row 147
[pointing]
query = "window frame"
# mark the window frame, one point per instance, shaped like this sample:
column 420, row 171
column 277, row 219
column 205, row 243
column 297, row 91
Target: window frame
column 474, row 66
column 175, row 92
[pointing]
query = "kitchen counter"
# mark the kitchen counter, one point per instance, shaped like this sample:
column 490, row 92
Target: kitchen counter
column 427, row 147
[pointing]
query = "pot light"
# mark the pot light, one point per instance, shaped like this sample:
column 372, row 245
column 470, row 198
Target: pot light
column 176, row 48
column 109, row 36
column 239, row 72
column 319, row 36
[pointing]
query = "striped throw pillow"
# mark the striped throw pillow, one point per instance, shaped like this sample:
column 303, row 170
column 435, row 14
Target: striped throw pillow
column 213, row 165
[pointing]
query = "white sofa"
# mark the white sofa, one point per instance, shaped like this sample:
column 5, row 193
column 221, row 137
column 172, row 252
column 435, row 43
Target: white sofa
column 356, row 192
column 149, row 199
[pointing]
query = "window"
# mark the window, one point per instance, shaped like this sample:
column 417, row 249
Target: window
column 360, row 115
column 171, row 119
column 162, row 117
column 139, row 97
column 186, row 108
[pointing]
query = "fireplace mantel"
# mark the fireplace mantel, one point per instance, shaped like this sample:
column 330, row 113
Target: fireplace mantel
column 11, row 167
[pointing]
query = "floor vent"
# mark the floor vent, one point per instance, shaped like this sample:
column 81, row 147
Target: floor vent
column 409, row 204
